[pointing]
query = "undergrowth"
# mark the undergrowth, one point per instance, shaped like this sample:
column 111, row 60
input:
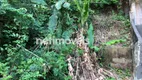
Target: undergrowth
column 22, row 21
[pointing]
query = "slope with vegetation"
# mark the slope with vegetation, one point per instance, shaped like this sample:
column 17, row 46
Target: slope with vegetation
column 22, row 21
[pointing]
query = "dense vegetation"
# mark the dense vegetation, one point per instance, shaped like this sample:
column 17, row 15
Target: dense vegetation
column 22, row 21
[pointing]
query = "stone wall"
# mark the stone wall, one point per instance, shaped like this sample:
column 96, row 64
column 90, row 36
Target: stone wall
column 137, row 61
column 118, row 57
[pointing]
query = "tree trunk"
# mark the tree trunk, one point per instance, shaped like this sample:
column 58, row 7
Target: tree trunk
column 85, row 67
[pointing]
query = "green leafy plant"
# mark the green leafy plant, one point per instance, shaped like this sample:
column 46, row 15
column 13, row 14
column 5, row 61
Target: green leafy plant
column 4, row 72
column 21, row 23
column 95, row 48
column 83, row 7
column 90, row 35
column 112, row 42
column 106, row 2
column 25, row 20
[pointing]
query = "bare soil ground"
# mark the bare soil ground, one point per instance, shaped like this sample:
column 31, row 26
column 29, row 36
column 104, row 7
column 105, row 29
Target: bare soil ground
column 108, row 27
column 113, row 27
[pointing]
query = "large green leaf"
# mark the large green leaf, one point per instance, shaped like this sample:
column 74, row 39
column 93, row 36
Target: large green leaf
column 53, row 21
column 66, row 5
column 59, row 4
column 41, row 2
column 90, row 35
